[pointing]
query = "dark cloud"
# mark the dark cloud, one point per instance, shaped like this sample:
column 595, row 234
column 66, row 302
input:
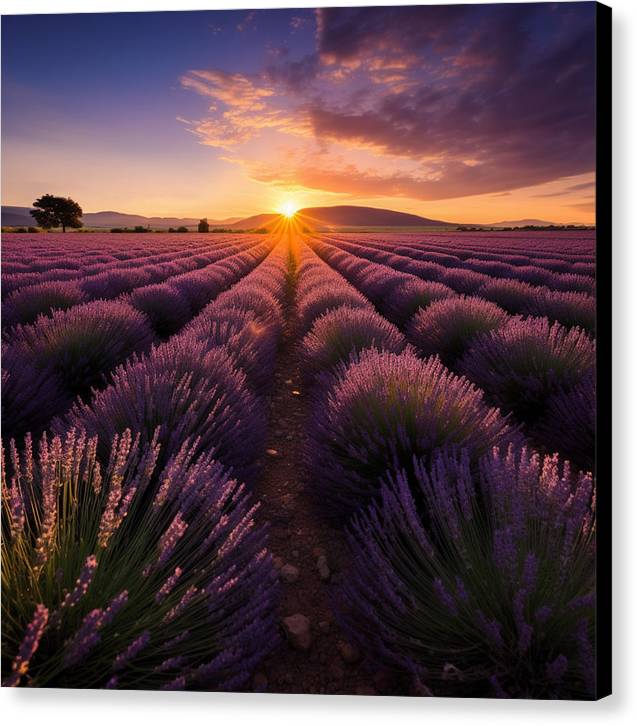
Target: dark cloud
column 294, row 75
column 346, row 34
column 509, row 89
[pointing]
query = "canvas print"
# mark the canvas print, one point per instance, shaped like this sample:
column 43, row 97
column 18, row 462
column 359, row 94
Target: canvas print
column 299, row 360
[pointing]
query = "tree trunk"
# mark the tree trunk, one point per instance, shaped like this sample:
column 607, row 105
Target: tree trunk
column 63, row 228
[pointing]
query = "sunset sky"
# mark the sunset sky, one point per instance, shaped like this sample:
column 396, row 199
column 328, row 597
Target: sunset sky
column 462, row 113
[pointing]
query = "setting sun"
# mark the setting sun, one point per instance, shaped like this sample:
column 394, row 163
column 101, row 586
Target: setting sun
column 288, row 209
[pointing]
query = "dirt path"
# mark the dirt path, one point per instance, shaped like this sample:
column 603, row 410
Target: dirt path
column 316, row 657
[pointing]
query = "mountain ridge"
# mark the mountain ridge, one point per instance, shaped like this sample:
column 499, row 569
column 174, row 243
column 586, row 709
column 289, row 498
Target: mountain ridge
column 345, row 216
column 19, row 217
column 319, row 217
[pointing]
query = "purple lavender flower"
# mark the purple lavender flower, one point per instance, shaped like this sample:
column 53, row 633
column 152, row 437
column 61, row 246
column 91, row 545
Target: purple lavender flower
column 170, row 539
column 28, row 646
column 182, row 580
column 509, row 620
column 126, row 656
column 71, row 599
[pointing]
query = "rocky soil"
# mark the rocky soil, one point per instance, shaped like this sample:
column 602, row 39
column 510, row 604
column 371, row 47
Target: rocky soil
column 310, row 556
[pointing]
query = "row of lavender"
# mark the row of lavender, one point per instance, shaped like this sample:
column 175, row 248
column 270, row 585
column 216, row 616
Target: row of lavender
column 66, row 352
column 555, row 250
column 516, row 296
column 136, row 556
column 74, row 255
column 472, row 555
column 469, row 274
column 537, row 363
column 27, row 295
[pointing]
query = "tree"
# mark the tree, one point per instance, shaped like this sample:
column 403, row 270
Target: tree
column 51, row 211
column 203, row 225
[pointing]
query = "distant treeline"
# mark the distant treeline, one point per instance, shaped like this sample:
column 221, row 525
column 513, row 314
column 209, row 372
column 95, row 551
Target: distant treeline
column 135, row 230
column 22, row 230
column 527, row 228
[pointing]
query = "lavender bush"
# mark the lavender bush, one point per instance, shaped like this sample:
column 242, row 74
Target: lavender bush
column 186, row 389
column 251, row 296
column 343, row 331
column 514, row 296
column 78, row 346
column 383, row 409
column 569, row 422
column 571, row 309
column 487, row 586
column 113, row 283
column 464, row 281
column 448, row 326
column 121, row 576
column 30, row 396
column 250, row 340
column 403, row 301
column 199, row 287
column 24, row 305
column 328, row 296
column 164, row 306
column 522, row 363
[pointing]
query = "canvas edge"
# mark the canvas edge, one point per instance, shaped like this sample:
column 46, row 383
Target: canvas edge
column 603, row 458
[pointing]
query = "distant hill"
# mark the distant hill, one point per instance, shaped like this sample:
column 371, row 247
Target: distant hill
column 20, row 217
column 522, row 223
column 351, row 216
column 256, row 221
column 121, row 219
column 16, row 217
column 346, row 216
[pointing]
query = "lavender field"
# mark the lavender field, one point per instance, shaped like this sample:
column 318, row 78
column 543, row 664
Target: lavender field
column 311, row 463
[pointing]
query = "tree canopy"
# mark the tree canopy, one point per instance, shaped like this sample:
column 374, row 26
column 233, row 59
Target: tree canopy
column 51, row 211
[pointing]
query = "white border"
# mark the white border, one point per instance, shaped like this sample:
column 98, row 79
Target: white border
column 52, row 707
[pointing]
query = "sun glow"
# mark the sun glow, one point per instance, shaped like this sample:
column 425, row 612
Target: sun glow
column 288, row 209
